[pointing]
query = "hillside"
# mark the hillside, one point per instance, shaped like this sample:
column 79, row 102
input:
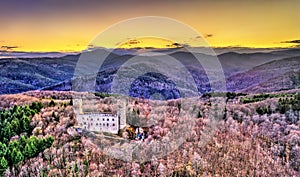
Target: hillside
column 272, row 76
column 258, row 138
column 19, row 75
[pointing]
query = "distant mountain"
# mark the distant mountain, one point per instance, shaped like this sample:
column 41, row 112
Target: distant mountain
column 273, row 76
column 252, row 72
column 288, row 52
column 20, row 54
column 19, row 75
column 233, row 63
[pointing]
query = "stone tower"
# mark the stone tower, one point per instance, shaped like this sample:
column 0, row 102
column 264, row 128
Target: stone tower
column 122, row 113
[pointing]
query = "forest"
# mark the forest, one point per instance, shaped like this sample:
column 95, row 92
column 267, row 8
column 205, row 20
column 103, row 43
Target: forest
column 17, row 143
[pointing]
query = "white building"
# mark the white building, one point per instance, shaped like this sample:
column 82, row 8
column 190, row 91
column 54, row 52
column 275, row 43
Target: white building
column 101, row 122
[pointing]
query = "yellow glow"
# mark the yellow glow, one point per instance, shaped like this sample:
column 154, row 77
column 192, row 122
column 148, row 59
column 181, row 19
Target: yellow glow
column 253, row 24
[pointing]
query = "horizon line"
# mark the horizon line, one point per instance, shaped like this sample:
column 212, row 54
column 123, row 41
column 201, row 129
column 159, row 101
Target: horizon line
column 147, row 48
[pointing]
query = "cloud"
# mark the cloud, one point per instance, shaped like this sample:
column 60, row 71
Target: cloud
column 209, row 35
column 91, row 46
column 204, row 36
column 174, row 45
column 297, row 41
column 130, row 42
column 8, row 48
column 133, row 41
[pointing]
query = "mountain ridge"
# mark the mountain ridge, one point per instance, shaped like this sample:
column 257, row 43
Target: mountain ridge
column 23, row 74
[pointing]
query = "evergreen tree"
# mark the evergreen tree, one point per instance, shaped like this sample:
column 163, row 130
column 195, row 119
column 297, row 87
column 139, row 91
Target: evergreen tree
column 23, row 141
column 269, row 110
column 29, row 150
column 14, row 144
column 3, row 149
column 56, row 118
column 48, row 142
column 15, row 126
column 25, row 123
column 260, row 110
column 3, row 165
column 52, row 103
column 15, row 109
column 34, row 145
column 75, row 168
column 16, row 156
column 71, row 102
column 7, row 131
column 40, row 106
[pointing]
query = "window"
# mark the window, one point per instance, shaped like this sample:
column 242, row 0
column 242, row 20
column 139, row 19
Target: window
column 96, row 123
column 113, row 119
column 114, row 124
column 107, row 119
column 107, row 124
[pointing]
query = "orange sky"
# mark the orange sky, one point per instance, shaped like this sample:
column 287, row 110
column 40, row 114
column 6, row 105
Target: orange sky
column 71, row 25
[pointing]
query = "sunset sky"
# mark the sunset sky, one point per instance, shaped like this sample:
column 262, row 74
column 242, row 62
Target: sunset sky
column 47, row 25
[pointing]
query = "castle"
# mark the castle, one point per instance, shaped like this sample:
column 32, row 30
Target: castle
column 101, row 122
